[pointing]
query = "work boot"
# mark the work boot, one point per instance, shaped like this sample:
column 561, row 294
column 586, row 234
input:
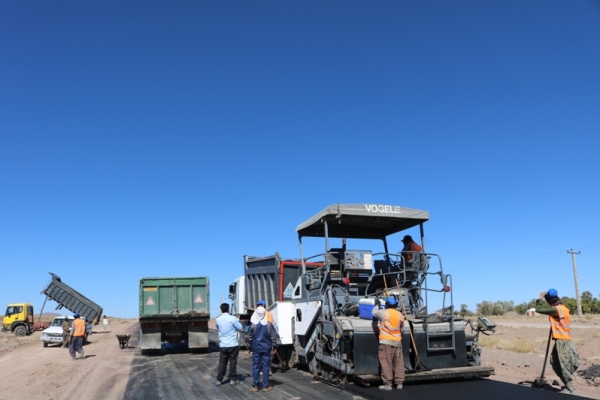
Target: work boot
column 82, row 356
column 385, row 387
column 254, row 389
column 233, row 382
column 219, row 383
column 399, row 386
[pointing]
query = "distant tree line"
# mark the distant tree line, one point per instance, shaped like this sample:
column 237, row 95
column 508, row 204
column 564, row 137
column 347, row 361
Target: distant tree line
column 487, row 308
column 589, row 305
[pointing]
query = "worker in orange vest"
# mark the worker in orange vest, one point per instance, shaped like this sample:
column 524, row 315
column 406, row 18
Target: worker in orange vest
column 391, row 360
column 77, row 337
column 564, row 358
column 410, row 247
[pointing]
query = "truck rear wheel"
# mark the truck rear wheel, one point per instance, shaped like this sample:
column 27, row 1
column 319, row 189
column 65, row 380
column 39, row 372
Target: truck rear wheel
column 45, row 344
column 20, row 331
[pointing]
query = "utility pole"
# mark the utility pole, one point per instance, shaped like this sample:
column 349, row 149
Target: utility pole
column 572, row 253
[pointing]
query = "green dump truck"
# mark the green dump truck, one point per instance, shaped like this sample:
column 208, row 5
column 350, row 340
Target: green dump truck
column 174, row 311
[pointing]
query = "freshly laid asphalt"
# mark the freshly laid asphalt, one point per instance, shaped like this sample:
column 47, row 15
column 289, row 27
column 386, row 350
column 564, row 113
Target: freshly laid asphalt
column 176, row 374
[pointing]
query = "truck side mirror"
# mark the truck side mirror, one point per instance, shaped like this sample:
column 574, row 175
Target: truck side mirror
column 306, row 281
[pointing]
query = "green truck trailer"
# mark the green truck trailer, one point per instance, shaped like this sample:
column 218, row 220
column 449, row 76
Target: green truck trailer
column 174, row 310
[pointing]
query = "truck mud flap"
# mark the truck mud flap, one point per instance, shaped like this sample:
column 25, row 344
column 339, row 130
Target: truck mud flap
column 150, row 341
column 198, row 342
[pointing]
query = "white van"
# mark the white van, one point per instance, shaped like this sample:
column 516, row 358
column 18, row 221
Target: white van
column 53, row 334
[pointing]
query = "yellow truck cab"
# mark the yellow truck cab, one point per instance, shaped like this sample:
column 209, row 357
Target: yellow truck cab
column 18, row 318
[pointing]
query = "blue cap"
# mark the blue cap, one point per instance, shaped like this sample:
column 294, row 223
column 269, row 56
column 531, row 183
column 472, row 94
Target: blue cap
column 76, row 315
column 391, row 301
column 261, row 303
column 552, row 293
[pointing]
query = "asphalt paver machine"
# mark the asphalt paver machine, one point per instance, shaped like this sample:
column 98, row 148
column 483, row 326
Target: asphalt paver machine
column 333, row 333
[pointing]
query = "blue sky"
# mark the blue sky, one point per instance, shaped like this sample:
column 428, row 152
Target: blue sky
column 155, row 138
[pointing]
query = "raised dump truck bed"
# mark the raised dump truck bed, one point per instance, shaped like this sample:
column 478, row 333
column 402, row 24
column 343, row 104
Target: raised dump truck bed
column 72, row 300
column 271, row 278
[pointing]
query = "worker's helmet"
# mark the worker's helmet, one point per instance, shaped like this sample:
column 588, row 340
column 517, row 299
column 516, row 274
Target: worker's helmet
column 261, row 303
column 552, row 293
column 76, row 315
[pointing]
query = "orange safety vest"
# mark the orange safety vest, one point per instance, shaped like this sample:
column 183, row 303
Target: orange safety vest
column 561, row 328
column 78, row 327
column 389, row 327
column 413, row 247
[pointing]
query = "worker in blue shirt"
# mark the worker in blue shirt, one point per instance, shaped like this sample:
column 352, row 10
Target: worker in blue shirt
column 228, row 327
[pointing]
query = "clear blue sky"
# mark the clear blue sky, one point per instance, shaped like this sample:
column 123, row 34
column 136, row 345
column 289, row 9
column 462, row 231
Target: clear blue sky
column 154, row 138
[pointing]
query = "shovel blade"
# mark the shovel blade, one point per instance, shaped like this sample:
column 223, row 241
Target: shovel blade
column 539, row 383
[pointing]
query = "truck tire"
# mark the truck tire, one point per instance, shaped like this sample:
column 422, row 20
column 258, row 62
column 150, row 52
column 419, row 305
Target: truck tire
column 45, row 344
column 20, row 330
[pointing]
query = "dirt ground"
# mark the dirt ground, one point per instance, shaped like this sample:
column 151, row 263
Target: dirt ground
column 516, row 351
column 30, row 371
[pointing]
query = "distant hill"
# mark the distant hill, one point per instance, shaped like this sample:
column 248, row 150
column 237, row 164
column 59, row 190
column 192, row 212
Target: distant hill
column 53, row 314
column 50, row 315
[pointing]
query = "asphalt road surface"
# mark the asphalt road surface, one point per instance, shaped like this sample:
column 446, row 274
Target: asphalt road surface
column 174, row 375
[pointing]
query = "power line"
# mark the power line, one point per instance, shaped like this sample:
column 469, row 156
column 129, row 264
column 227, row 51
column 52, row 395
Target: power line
column 572, row 253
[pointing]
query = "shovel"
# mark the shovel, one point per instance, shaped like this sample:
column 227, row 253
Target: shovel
column 412, row 338
column 540, row 382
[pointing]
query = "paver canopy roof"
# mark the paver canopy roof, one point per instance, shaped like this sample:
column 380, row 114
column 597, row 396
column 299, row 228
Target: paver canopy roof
column 363, row 221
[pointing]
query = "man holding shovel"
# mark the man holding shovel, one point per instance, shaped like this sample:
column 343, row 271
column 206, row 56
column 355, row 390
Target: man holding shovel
column 391, row 360
column 564, row 358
